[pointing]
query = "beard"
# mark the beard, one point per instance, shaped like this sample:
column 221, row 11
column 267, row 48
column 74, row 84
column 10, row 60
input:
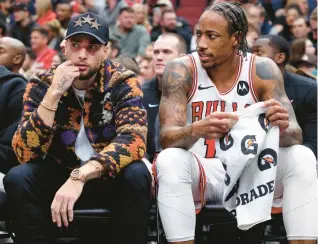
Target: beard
column 90, row 73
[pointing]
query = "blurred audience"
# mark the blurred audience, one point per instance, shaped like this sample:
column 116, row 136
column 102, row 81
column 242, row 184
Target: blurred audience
column 146, row 69
column 129, row 62
column 112, row 10
column 252, row 35
column 133, row 39
column 64, row 12
column 113, row 49
column 39, row 44
column 24, row 24
column 44, row 12
column 55, row 34
column 300, row 28
column 141, row 16
column 28, row 67
column 5, row 6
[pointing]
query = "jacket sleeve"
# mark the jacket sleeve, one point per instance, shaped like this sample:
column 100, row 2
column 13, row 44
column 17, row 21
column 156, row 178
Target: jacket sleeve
column 131, row 128
column 32, row 138
column 310, row 125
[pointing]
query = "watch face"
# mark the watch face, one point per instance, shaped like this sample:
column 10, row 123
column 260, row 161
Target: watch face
column 75, row 173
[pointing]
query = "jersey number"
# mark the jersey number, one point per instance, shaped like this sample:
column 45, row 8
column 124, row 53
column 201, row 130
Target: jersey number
column 210, row 148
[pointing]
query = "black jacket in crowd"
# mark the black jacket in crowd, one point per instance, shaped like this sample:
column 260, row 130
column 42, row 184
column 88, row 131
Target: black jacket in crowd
column 152, row 98
column 12, row 87
column 302, row 92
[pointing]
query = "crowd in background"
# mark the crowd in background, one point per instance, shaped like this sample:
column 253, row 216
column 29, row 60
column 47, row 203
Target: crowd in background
column 134, row 25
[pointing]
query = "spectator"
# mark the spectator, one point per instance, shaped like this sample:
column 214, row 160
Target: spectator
column 149, row 50
column 64, row 13
column 313, row 24
column 39, row 44
column 133, row 39
column 12, row 53
column 3, row 28
column 307, row 66
column 5, row 6
column 169, row 23
column 75, row 142
column 303, row 5
column 301, row 28
column 167, row 47
column 299, row 48
column 23, row 26
column 146, row 70
column 112, row 10
column 12, row 86
column 113, row 49
column 292, row 13
column 256, row 15
column 141, row 15
column 44, row 13
column 301, row 91
column 252, row 35
column 90, row 7
column 128, row 62
column 55, row 34
column 28, row 67
column 156, row 17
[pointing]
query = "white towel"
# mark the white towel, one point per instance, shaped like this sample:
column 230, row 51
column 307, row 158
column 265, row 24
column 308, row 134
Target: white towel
column 249, row 155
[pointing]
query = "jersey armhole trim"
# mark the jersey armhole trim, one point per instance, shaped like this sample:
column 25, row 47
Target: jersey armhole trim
column 251, row 80
column 194, row 79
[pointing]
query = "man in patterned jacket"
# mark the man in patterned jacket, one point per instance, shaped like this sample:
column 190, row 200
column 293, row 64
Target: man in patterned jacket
column 80, row 143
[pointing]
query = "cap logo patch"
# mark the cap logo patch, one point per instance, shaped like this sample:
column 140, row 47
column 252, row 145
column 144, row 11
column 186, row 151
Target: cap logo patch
column 91, row 21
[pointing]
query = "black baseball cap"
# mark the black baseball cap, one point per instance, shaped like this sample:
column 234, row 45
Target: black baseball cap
column 20, row 6
column 91, row 24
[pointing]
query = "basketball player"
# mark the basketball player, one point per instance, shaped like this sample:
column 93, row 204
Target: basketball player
column 199, row 93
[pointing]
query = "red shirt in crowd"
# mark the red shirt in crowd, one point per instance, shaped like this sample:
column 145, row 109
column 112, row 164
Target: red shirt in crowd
column 46, row 58
column 46, row 18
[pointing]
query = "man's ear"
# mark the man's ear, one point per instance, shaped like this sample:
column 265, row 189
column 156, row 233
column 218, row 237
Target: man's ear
column 17, row 59
column 236, row 37
column 280, row 58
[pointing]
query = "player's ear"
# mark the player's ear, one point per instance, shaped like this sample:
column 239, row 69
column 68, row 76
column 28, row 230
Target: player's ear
column 280, row 58
column 236, row 37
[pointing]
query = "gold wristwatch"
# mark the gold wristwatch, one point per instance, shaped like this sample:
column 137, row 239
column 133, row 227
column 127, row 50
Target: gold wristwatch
column 76, row 174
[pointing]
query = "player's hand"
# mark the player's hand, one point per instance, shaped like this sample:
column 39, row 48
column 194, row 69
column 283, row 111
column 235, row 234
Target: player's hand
column 277, row 114
column 214, row 126
column 64, row 76
column 64, row 200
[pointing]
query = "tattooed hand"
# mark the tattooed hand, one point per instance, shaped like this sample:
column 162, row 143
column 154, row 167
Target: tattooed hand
column 64, row 77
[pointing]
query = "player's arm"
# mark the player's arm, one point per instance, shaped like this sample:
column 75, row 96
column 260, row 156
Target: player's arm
column 270, row 84
column 177, row 80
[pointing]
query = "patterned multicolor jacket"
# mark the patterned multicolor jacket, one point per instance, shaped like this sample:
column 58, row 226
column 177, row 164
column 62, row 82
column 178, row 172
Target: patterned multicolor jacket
column 114, row 119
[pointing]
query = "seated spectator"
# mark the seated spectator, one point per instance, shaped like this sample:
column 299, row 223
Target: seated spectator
column 301, row 91
column 168, row 24
column 3, row 28
column 113, row 49
column 146, row 70
column 58, row 59
column 75, row 153
column 307, row 66
column 141, row 16
column 149, row 50
column 300, row 28
column 133, row 39
column 64, row 12
column 12, row 87
column 12, row 54
column 252, row 35
column 23, row 26
column 300, row 48
column 39, row 44
column 5, row 7
column 28, row 67
column 44, row 12
column 55, row 34
column 128, row 62
column 292, row 13
column 313, row 25
column 167, row 47
column 112, row 10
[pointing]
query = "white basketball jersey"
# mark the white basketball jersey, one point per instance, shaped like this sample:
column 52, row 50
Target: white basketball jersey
column 205, row 98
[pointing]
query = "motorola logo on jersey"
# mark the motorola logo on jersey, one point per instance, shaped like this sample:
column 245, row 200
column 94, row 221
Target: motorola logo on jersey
column 267, row 159
column 242, row 88
column 249, row 145
column 263, row 121
column 226, row 142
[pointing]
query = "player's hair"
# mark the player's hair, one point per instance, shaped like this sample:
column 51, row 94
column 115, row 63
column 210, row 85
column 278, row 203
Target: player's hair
column 280, row 44
column 236, row 20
